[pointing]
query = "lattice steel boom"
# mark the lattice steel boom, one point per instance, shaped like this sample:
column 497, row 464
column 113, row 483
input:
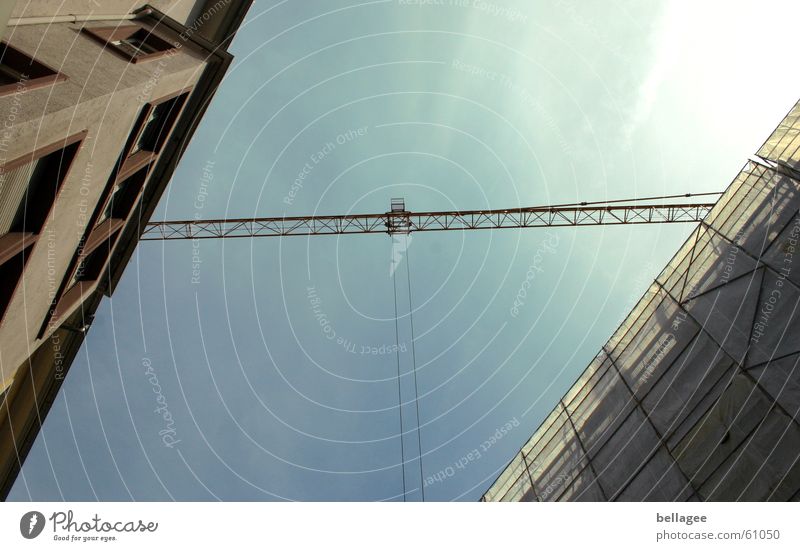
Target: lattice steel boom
column 399, row 220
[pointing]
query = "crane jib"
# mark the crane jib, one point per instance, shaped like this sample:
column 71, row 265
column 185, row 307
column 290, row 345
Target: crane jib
column 398, row 220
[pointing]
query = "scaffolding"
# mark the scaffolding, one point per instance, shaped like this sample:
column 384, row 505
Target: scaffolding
column 696, row 396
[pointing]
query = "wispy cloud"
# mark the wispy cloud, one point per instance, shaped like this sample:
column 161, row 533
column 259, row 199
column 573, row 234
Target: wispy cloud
column 667, row 45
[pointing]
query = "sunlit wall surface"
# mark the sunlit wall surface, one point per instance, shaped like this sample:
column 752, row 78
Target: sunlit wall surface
column 696, row 396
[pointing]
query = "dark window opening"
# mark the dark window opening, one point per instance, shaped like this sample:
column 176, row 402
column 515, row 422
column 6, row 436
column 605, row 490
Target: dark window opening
column 11, row 74
column 133, row 42
column 124, row 195
column 157, row 124
column 33, row 188
column 90, row 267
column 28, row 189
column 141, row 42
column 10, row 275
column 20, row 71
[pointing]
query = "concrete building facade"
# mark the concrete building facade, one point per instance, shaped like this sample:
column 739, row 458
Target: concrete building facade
column 696, row 396
column 98, row 100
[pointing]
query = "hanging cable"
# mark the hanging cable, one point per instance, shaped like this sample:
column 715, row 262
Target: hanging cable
column 414, row 364
column 399, row 394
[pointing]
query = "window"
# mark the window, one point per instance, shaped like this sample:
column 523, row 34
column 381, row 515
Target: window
column 147, row 138
column 87, row 269
column 91, row 263
column 29, row 186
column 91, row 258
column 122, row 193
column 10, row 275
column 137, row 44
column 133, row 42
column 157, row 119
column 19, row 71
column 149, row 134
column 28, row 192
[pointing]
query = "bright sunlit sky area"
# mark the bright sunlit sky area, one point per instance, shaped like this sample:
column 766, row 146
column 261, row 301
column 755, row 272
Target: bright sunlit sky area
column 336, row 106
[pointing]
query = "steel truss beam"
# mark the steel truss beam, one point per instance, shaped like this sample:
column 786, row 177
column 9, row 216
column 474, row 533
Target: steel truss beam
column 402, row 221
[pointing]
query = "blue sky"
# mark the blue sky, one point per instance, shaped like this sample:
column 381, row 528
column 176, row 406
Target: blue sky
column 462, row 105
